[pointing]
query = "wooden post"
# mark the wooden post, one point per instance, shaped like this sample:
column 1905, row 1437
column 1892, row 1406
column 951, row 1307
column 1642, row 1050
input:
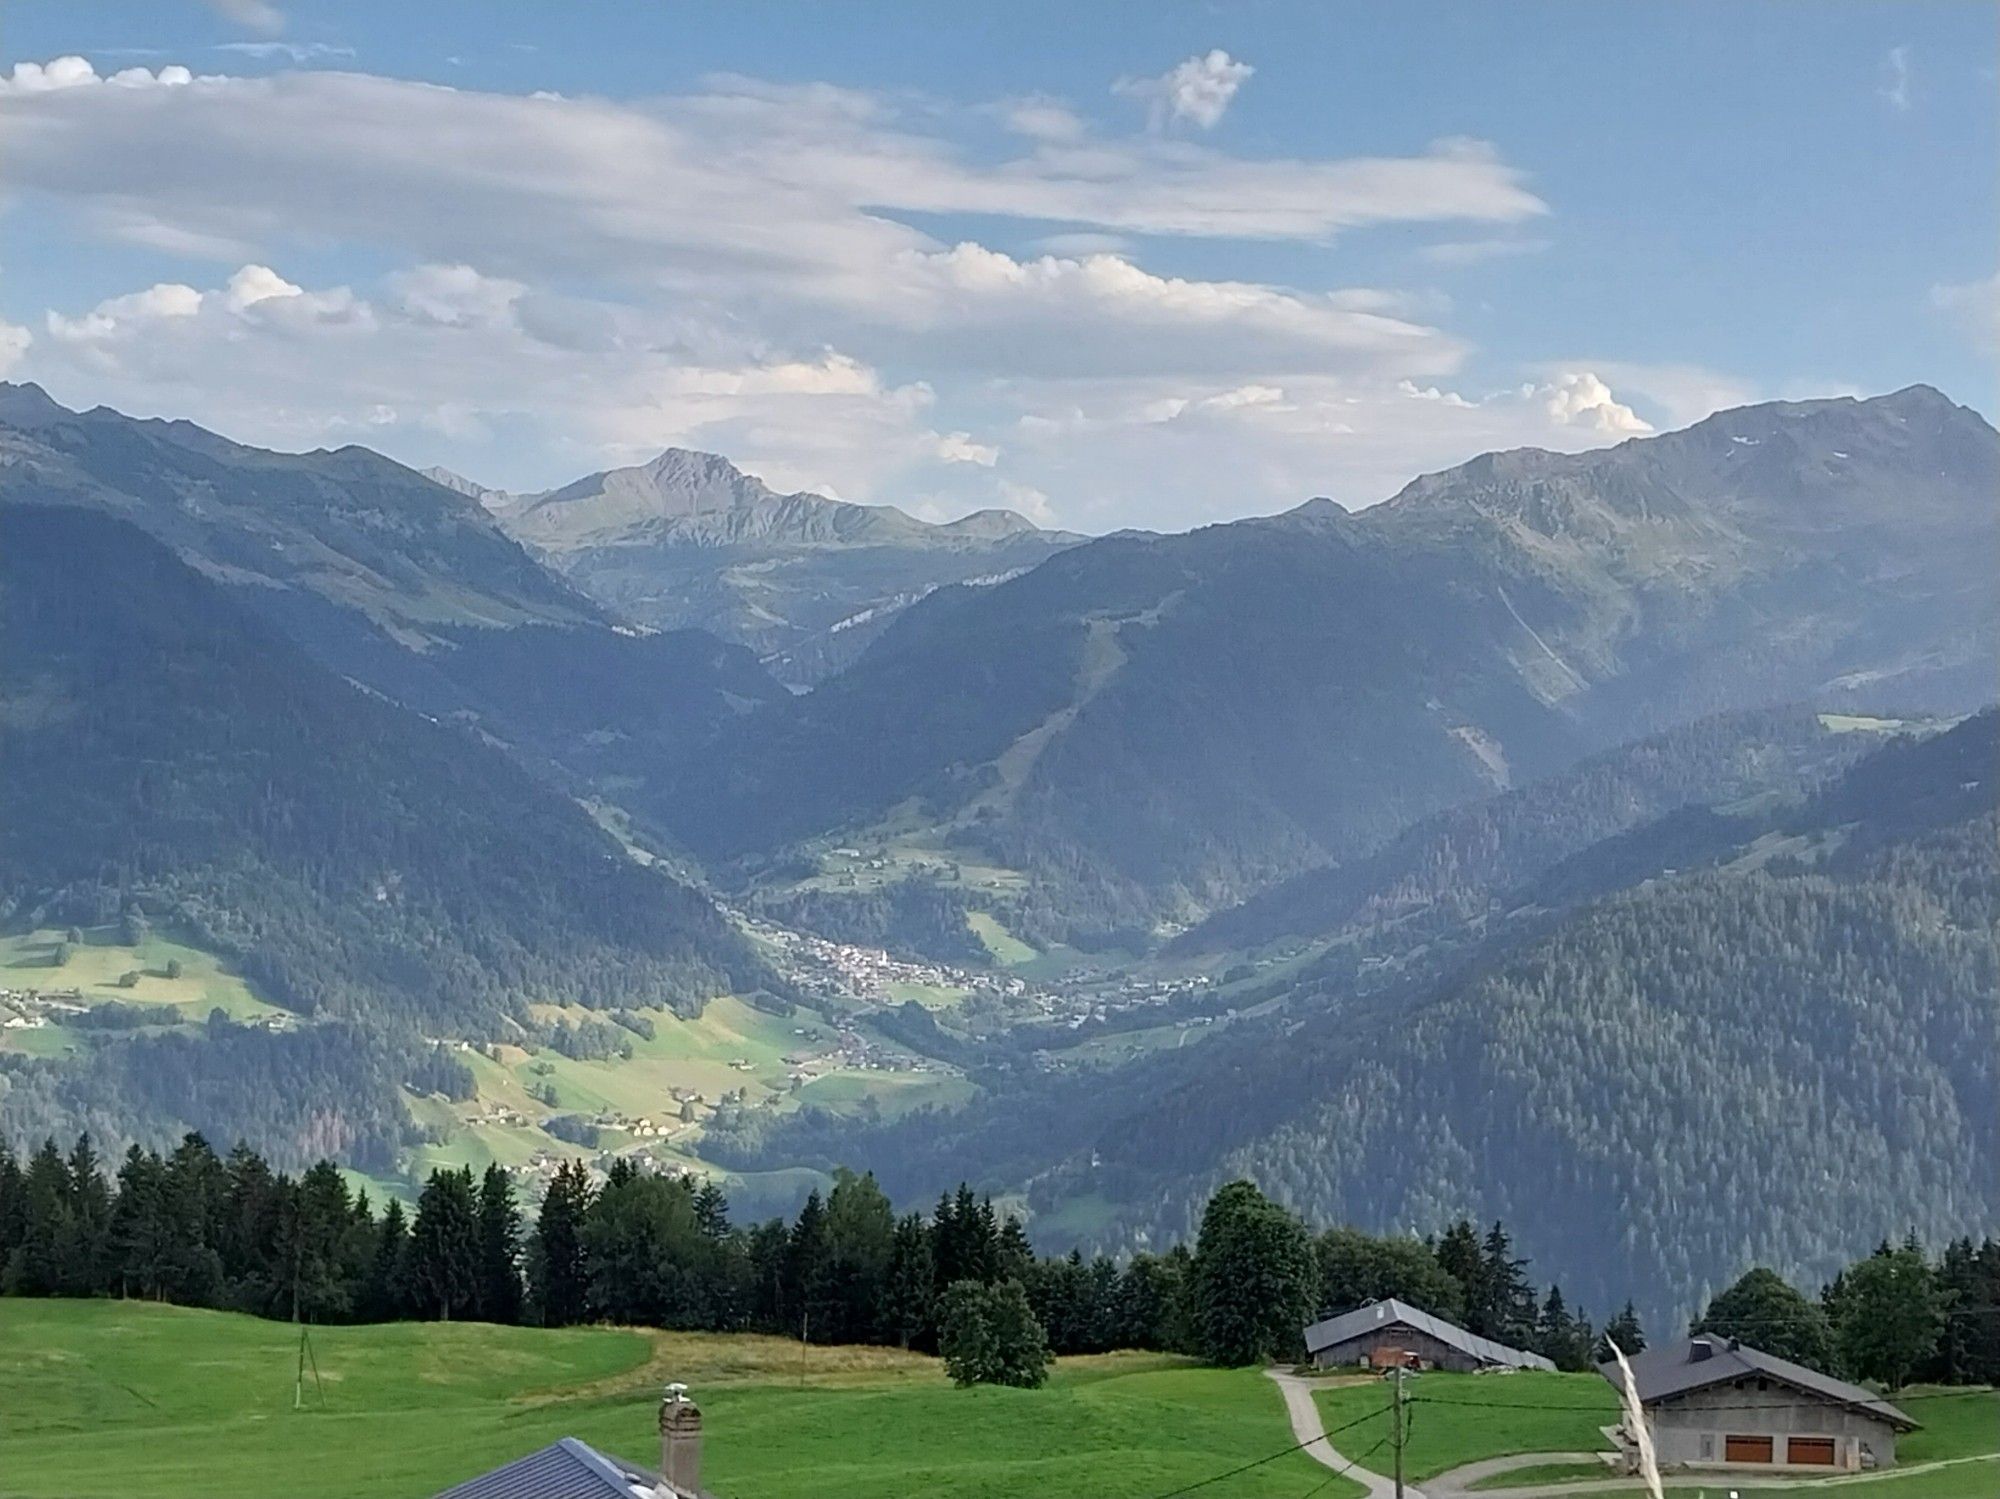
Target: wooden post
column 1399, row 1431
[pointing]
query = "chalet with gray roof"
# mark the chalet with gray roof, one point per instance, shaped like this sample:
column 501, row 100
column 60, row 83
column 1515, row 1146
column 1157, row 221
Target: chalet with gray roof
column 1392, row 1334
column 1714, row 1402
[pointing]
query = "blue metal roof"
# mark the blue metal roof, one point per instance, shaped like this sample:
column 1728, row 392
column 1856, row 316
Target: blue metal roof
column 568, row 1469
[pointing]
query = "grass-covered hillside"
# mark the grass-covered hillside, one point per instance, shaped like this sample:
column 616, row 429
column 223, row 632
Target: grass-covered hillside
column 172, row 760
column 109, row 1399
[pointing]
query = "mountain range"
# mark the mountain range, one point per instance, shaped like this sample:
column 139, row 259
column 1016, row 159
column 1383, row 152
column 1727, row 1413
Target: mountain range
column 1152, row 727
column 689, row 540
column 1580, row 819
column 1722, row 1033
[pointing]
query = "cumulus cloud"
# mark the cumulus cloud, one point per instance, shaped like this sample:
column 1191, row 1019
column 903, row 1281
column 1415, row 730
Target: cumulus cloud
column 556, row 307
column 959, row 447
column 1205, row 452
column 1579, row 398
column 447, row 363
column 1198, row 90
column 79, row 72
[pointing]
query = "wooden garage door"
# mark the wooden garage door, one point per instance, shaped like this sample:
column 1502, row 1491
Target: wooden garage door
column 1746, row 1449
column 1815, row 1450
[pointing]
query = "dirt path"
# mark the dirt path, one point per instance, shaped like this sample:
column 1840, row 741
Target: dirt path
column 1309, row 1429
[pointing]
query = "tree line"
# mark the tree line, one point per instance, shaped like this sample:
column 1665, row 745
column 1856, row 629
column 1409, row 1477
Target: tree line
column 659, row 1249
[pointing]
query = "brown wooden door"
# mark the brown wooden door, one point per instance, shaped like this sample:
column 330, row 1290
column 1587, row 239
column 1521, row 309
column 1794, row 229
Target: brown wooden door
column 1815, row 1450
column 1746, row 1449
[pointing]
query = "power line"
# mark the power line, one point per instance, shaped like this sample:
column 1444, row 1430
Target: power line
column 1273, row 1457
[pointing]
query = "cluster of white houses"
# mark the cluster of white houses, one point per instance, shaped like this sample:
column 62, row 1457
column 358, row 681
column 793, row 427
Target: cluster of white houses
column 1710, row 1402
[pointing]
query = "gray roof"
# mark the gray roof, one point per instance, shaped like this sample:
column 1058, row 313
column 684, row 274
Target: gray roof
column 1662, row 1373
column 568, row 1469
column 1387, row 1313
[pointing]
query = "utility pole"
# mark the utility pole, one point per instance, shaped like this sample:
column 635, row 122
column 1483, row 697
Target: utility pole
column 1398, row 1431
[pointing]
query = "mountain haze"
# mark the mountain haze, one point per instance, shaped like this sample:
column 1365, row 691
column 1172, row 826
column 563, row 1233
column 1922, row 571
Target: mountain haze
column 690, row 540
column 1158, row 725
column 392, row 579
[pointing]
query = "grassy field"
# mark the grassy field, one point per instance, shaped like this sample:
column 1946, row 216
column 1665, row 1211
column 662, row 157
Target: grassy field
column 1005, row 948
column 119, row 1398
column 731, row 1045
column 95, row 967
column 1956, row 1423
column 1454, row 1418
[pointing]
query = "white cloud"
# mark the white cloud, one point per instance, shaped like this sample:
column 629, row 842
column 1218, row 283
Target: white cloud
column 1579, row 398
column 559, row 306
column 258, row 15
column 258, row 283
column 1198, row 90
column 1895, row 88
column 1975, row 307
column 74, row 72
column 14, row 342
column 1683, row 393
column 1171, row 453
column 298, row 52
column 1041, row 118
column 958, row 447
column 1475, row 251
column 1025, row 499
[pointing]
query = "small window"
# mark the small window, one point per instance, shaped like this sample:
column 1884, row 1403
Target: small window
column 1741, row 1449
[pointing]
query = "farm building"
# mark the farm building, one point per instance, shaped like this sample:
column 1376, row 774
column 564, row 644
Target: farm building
column 1392, row 1334
column 1715, row 1402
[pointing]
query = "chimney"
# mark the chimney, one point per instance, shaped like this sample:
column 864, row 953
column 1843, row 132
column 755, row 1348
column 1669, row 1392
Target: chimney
column 1698, row 1350
column 680, row 1441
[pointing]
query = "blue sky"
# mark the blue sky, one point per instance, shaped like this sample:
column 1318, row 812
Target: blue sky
column 1111, row 265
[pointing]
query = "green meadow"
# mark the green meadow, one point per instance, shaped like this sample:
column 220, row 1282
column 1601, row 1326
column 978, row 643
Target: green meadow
column 107, row 1398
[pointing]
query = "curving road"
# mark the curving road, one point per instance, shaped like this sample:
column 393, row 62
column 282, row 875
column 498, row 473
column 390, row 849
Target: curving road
column 1309, row 1429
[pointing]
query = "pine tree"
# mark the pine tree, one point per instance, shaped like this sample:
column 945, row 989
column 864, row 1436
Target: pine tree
column 559, row 1274
column 387, row 1296
column 1625, row 1331
column 908, row 1289
column 444, row 1246
column 499, row 1295
column 141, row 1240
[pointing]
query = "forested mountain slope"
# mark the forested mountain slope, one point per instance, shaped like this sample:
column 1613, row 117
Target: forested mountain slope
column 1455, row 863
column 1207, row 713
column 165, row 748
column 1791, row 1045
column 393, row 579
column 806, row 581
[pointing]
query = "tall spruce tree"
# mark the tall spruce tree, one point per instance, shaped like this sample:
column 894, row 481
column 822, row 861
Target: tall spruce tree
column 499, row 1294
column 444, row 1246
column 559, row 1276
